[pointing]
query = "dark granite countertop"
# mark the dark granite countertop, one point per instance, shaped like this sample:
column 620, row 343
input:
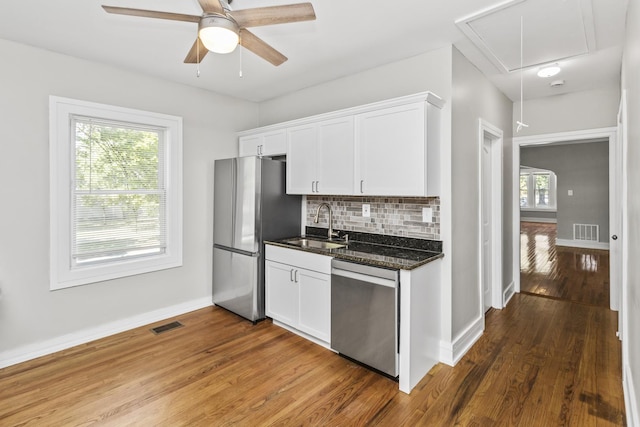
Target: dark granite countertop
column 402, row 253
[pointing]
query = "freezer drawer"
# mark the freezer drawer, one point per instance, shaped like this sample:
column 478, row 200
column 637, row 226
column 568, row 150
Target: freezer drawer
column 236, row 286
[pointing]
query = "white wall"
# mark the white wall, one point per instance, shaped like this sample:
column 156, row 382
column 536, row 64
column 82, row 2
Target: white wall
column 31, row 316
column 568, row 112
column 429, row 71
column 474, row 97
column 631, row 82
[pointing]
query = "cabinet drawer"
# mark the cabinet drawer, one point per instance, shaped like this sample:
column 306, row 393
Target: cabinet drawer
column 301, row 259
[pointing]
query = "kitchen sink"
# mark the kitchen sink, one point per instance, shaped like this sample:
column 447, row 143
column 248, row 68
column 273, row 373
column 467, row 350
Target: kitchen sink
column 319, row 244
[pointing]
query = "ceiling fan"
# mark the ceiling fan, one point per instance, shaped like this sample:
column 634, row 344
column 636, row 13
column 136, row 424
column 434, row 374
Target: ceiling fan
column 220, row 29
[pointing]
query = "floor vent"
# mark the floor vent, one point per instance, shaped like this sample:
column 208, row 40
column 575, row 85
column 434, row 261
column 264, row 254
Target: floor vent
column 164, row 328
column 590, row 232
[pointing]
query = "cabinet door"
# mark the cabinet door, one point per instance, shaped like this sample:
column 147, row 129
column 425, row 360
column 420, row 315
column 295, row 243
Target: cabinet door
column 248, row 145
column 335, row 158
column 391, row 147
column 281, row 293
column 263, row 144
column 301, row 159
column 274, row 143
column 315, row 304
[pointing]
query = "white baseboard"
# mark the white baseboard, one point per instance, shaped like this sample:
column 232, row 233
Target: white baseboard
column 507, row 294
column 631, row 408
column 32, row 351
column 533, row 219
column 452, row 352
column 585, row 244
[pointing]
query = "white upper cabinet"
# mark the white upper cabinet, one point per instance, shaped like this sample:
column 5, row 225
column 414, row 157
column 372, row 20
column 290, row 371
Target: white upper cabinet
column 272, row 143
column 394, row 153
column 320, row 157
column 388, row 148
column 302, row 142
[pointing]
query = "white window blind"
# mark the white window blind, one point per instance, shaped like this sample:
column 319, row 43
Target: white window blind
column 115, row 192
column 118, row 200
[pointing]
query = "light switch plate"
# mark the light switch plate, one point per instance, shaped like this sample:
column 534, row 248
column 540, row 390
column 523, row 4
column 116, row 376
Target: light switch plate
column 427, row 214
column 570, row 192
column 366, row 210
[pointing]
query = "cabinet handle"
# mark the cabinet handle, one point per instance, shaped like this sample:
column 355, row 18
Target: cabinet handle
column 362, row 186
column 291, row 275
column 317, row 182
column 295, row 276
column 312, row 184
column 260, row 150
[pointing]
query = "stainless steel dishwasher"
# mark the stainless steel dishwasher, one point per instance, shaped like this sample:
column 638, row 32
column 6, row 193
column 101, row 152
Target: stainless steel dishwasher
column 365, row 314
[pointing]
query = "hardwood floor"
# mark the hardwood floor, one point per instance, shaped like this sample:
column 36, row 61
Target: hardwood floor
column 540, row 362
column 574, row 274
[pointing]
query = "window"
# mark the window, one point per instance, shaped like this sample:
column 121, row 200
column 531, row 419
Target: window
column 116, row 192
column 537, row 189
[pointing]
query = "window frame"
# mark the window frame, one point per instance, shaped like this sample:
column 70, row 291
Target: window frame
column 531, row 191
column 61, row 157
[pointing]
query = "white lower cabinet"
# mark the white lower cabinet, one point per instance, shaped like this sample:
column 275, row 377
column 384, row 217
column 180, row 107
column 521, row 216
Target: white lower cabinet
column 315, row 304
column 298, row 290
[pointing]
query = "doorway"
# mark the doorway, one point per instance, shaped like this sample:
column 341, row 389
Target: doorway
column 491, row 141
column 608, row 134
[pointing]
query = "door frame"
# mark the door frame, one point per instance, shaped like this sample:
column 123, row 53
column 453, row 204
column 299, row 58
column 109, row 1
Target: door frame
column 609, row 133
column 497, row 140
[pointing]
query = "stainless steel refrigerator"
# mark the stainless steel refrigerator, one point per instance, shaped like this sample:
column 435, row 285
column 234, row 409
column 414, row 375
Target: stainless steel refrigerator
column 250, row 206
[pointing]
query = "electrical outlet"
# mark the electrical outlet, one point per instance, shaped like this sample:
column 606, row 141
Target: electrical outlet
column 366, row 210
column 427, row 214
column 570, row 192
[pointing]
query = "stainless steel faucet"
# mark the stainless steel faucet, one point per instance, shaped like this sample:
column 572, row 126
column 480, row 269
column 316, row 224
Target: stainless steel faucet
column 331, row 234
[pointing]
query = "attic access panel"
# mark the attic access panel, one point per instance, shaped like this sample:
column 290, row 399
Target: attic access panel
column 553, row 30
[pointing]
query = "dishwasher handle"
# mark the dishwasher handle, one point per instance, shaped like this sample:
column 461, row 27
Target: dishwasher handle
column 368, row 270
column 365, row 273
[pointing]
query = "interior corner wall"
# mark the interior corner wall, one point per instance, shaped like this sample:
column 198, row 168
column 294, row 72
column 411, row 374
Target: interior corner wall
column 474, row 97
column 592, row 109
column 31, row 314
column 631, row 85
column 584, row 169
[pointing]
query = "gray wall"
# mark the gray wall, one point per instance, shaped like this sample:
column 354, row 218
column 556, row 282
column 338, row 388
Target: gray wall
column 631, row 82
column 31, row 314
column 531, row 215
column 474, row 97
column 583, row 168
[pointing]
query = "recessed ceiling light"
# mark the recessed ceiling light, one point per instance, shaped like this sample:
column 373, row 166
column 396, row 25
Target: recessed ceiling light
column 549, row 71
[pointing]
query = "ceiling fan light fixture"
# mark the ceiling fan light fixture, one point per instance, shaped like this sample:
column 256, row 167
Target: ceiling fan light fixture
column 549, row 71
column 218, row 34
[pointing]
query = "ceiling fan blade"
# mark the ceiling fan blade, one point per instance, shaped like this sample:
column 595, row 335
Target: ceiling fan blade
column 198, row 51
column 271, row 15
column 256, row 45
column 211, row 6
column 151, row 14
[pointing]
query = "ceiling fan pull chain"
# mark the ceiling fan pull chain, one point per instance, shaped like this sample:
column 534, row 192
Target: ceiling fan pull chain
column 198, row 57
column 240, row 49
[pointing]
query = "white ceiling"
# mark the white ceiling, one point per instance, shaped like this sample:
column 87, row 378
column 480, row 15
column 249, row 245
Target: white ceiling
column 347, row 37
